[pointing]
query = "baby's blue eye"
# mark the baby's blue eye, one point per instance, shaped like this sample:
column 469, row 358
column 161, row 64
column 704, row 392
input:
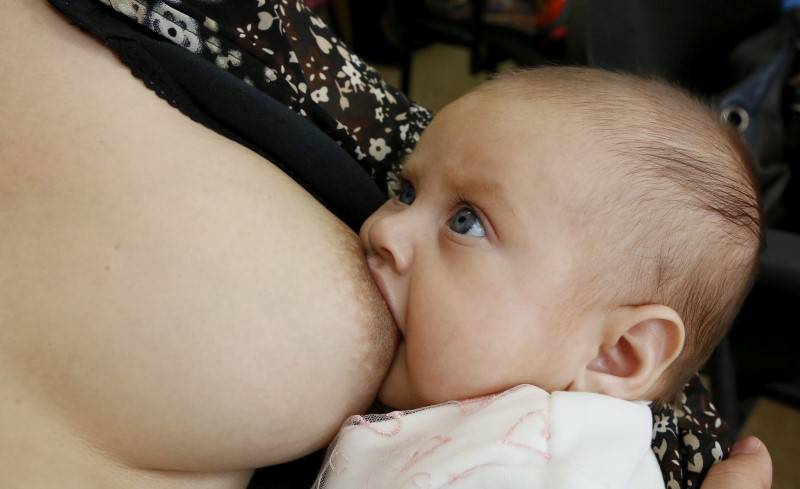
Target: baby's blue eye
column 465, row 221
column 406, row 194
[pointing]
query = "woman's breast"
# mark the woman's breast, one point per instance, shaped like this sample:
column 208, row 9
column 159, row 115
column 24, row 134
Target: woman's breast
column 197, row 307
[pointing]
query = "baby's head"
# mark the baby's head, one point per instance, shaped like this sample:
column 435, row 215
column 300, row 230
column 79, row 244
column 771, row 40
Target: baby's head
column 570, row 228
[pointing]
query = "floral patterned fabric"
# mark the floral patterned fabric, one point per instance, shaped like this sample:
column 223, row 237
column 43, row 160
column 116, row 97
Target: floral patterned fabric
column 283, row 49
column 689, row 438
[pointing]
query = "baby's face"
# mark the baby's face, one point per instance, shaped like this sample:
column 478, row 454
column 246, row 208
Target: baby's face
column 478, row 256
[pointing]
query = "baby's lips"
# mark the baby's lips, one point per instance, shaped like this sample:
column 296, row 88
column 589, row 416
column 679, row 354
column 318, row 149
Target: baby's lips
column 381, row 283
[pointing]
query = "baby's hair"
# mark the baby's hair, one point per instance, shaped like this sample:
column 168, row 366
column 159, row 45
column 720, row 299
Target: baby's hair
column 688, row 227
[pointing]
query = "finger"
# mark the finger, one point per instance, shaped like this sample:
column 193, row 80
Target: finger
column 748, row 467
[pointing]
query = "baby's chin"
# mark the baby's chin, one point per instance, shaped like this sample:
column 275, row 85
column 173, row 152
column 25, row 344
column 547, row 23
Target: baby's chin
column 395, row 390
column 399, row 391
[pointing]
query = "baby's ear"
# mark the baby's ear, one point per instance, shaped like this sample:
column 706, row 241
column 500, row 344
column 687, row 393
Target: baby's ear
column 640, row 342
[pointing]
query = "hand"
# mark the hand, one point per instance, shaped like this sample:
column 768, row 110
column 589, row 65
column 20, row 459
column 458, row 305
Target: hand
column 748, row 467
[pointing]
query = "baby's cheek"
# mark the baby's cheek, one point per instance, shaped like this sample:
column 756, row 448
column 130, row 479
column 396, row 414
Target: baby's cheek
column 439, row 374
column 444, row 348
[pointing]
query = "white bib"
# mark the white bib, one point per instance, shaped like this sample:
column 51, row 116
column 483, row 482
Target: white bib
column 521, row 438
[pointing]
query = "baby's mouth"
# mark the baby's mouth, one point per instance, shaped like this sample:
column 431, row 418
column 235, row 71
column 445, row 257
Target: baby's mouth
column 381, row 283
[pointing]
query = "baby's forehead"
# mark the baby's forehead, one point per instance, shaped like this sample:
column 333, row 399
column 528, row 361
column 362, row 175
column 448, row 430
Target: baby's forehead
column 529, row 150
column 499, row 120
column 617, row 151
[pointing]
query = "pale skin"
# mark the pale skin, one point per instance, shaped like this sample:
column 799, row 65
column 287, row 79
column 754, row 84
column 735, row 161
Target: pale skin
column 169, row 301
column 483, row 253
column 155, row 328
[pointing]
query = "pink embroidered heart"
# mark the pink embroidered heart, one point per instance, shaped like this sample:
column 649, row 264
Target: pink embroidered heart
column 514, row 439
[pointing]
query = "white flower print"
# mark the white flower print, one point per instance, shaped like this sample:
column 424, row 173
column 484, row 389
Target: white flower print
column 378, row 148
column 265, row 20
column 379, row 114
column 324, row 45
column 261, row 3
column 343, row 52
column 288, row 80
column 354, row 76
column 661, row 424
column 233, row 58
column 211, row 24
column 690, row 440
column 378, row 93
column 390, row 97
column 317, row 21
column 340, row 126
column 661, row 450
column 244, row 30
column 270, row 74
column 672, row 483
column 404, row 131
column 716, row 452
column 695, row 464
column 320, row 95
column 248, row 31
column 360, row 154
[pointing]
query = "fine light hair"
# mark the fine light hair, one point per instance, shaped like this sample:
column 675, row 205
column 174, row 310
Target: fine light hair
column 686, row 227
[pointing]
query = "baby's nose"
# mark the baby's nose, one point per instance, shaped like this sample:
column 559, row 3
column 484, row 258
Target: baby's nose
column 390, row 238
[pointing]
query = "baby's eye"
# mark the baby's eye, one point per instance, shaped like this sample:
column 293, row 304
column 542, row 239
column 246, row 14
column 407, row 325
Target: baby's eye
column 465, row 221
column 406, row 194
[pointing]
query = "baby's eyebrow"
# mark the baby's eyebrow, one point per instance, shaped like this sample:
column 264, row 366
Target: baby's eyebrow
column 486, row 189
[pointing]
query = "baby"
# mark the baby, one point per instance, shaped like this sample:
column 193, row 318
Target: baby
column 588, row 233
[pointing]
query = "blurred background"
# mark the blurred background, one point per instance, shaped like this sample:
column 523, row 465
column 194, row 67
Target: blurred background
column 743, row 56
